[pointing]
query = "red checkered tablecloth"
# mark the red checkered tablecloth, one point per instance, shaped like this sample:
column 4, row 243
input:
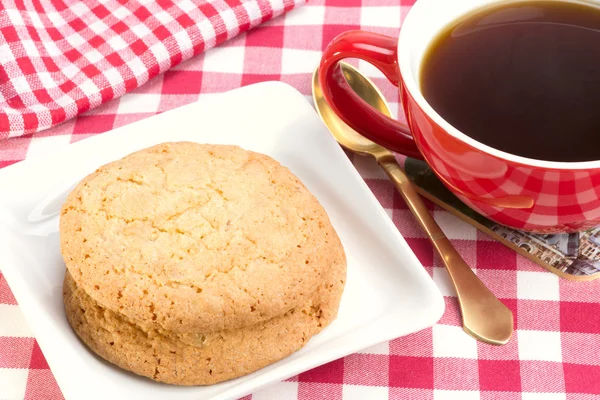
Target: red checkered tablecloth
column 555, row 352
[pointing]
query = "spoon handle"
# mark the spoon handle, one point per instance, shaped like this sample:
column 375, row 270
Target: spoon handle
column 484, row 316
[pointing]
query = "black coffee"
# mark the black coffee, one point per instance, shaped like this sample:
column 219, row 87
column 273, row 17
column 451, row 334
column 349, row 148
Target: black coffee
column 521, row 77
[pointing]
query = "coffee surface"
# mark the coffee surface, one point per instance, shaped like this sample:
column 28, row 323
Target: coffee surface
column 521, row 77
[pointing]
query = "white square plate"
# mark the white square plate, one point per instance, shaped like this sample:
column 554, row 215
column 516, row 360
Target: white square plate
column 388, row 293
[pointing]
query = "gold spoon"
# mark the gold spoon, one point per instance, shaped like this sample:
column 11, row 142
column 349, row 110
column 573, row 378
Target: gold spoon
column 484, row 316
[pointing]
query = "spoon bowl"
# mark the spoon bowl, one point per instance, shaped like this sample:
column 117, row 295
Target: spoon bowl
column 345, row 135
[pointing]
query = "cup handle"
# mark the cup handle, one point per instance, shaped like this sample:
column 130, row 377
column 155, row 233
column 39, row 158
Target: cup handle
column 380, row 51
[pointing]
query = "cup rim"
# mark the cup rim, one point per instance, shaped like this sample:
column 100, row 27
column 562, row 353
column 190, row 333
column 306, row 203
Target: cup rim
column 410, row 84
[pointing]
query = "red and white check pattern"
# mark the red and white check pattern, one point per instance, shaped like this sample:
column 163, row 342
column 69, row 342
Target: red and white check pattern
column 561, row 199
column 555, row 352
column 59, row 58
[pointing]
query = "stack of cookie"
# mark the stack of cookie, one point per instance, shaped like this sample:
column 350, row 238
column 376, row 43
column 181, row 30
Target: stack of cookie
column 193, row 264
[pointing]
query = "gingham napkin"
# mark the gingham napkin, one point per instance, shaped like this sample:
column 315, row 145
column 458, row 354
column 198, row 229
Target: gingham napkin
column 59, row 58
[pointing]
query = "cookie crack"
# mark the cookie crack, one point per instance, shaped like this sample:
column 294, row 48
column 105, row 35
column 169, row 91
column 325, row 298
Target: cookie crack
column 170, row 283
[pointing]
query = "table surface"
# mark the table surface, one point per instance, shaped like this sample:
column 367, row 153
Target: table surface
column 555, row 351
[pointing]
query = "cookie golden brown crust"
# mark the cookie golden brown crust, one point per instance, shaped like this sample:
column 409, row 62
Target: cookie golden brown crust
column 199, row 359
column 188, row 237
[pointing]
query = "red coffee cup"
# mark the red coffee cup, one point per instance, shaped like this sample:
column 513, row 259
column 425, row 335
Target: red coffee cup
column 523, row 193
